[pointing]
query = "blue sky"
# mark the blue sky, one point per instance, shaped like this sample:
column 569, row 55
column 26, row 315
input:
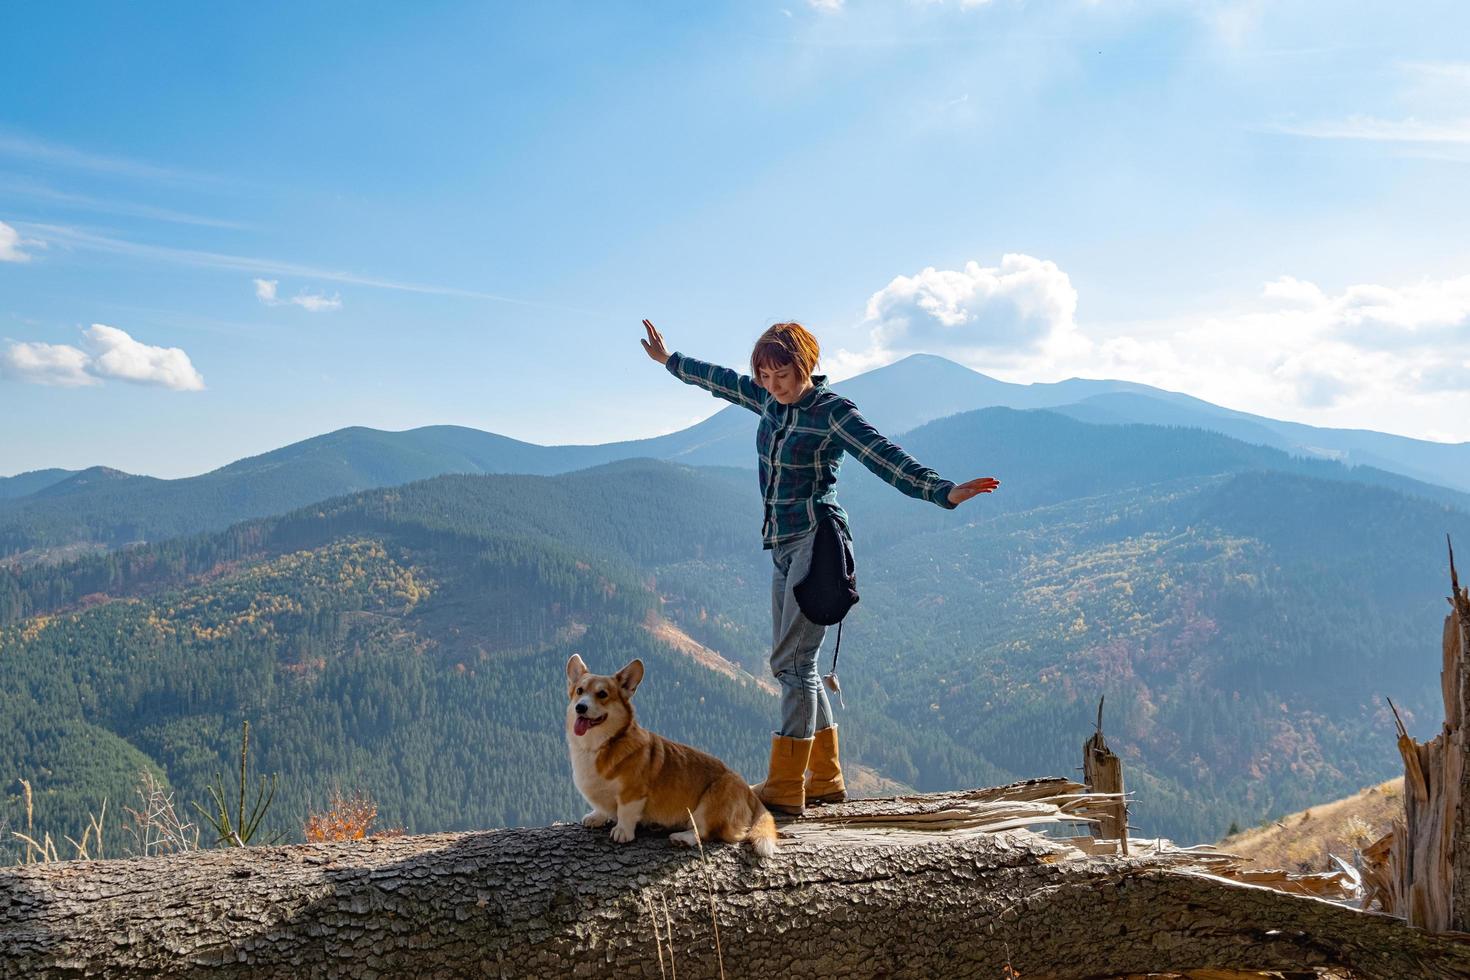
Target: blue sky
column 226, row 228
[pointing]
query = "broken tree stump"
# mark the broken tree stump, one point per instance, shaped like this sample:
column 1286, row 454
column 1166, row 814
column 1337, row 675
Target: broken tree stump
column 1429, row 854
column 1102, row 771
column 907, row 887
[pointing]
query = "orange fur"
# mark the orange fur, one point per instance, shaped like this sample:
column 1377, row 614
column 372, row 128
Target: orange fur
column 633, row 776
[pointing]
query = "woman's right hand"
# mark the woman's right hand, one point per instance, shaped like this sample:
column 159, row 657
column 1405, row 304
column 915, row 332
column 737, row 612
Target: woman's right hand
column 964, row 491
column 654, row 345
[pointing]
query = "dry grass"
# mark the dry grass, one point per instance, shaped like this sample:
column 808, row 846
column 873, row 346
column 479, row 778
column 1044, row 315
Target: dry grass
column 155, row 827
column 663, row 933
column 346, row 818
column 709, row 882
column 866, row 782
column 43, row 851
column 1302, row 841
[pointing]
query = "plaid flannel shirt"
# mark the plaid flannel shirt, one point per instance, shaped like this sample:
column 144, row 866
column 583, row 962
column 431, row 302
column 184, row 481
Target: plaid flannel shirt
column 801, row 447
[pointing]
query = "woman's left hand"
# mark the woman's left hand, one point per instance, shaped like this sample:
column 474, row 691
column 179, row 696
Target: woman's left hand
column 964, row 491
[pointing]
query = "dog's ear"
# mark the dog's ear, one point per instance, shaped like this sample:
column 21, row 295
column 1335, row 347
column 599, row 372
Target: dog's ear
column 630, row 677
column 575, row 670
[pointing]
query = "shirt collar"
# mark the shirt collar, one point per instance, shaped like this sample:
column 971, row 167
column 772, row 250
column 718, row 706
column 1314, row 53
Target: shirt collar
column 819, row 385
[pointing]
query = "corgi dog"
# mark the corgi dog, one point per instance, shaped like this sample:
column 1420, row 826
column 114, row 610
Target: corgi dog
column 630, row 775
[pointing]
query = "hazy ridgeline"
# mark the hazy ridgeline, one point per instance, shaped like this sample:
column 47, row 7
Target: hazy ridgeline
column 47, row 511
column 1243, row 610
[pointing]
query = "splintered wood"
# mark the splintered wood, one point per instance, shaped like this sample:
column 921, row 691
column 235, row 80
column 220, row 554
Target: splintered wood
column 1103, row 773
column 1028, row 803
column 1428, row 880
column 1340, row 885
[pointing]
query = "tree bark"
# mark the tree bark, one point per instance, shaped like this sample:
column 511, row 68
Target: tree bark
column 859, row 891
column 1429, row 853
column 1457, row 647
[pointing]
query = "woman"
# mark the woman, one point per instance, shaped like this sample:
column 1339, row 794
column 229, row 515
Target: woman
column 804, row 430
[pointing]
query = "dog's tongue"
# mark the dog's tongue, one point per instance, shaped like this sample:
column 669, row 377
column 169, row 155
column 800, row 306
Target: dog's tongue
column 581, row 726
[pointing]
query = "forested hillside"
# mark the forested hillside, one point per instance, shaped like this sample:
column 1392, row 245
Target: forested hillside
column 1244, row 612
column 407, row 642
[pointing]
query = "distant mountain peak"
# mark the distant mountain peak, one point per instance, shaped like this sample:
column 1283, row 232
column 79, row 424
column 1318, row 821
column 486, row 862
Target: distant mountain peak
column 31, row 481
column 929, row 361
column 94, row 473
column 87, row 479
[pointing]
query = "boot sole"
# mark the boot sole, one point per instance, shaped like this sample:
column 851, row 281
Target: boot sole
column 782, row 811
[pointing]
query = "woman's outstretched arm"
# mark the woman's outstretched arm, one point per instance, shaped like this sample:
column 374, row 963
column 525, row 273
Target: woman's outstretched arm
column 718, row 381
column 890, row 463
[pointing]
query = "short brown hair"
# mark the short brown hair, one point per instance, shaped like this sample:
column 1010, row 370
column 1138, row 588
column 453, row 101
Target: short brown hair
column 783, row 344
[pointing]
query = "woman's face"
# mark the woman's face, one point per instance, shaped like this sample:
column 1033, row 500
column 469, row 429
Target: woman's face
column 784, row 383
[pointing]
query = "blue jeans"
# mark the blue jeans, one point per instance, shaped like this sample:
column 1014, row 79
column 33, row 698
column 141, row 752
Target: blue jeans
column 795, row 641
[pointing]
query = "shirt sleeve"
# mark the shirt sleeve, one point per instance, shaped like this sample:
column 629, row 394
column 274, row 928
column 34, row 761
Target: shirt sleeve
column 886, row 459
column 718, row 381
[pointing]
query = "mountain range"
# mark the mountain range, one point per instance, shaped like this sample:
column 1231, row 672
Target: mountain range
column 48, row 512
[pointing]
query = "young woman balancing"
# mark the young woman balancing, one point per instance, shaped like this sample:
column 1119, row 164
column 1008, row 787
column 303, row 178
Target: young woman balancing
column 804, row 430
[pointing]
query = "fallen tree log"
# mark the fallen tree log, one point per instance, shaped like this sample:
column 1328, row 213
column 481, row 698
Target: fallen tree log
column 864, row 889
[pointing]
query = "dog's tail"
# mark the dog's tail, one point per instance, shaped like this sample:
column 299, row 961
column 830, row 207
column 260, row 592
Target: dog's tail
column 762, row 833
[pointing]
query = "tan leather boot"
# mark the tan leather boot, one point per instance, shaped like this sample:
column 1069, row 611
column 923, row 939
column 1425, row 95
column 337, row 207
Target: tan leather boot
column 783, row 790
column 824, row 782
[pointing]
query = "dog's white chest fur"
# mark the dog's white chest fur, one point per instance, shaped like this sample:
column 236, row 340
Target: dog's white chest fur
column 596, row 790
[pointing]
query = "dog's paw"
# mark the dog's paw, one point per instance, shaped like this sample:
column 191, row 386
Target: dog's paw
column 686, row 838
column 595, row 819
column 622, row 834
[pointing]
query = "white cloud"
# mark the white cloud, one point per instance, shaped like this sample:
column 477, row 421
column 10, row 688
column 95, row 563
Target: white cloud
column 840, row 364
column 109, row 353
column 1435, row 123
column 117, row 355
column 826, row 6
column 1233, row 20
column 35, row 190
column 1456, row 131
column 46, row 364
column 1023, row 306
column 1375, row 317
column 1294, row 290
column 266, row 292
column 10, row 243
column 1373, row 356
column 79, row 238
column 317, row 303
column 56, row 154
column 1456, row 73
column 1393, row 358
